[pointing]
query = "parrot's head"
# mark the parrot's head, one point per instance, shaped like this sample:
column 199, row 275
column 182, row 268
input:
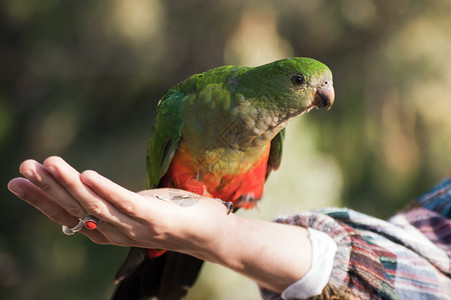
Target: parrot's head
column 287, row 88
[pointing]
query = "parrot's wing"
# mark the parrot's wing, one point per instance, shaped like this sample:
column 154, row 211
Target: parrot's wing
column 275, row 153
column 166, row 134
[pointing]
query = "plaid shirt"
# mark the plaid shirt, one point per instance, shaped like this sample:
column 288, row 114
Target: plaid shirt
column 405, row 257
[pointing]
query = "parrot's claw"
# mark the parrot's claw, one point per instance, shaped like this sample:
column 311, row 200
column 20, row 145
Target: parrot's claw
column 228, row 204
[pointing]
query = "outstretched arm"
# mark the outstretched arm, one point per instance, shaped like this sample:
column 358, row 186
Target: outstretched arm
column 251, row 247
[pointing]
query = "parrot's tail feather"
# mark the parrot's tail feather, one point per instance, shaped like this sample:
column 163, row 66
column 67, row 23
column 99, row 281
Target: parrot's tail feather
column 167, row 277
column 134, row 259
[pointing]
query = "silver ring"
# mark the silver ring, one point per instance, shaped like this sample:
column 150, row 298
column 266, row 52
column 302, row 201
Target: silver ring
column 88, row 221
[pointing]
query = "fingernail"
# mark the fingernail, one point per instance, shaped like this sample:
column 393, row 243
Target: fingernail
column 85, row 177
column 16, row 190
column 29, row 174
column 86, row 181
column 53, row 171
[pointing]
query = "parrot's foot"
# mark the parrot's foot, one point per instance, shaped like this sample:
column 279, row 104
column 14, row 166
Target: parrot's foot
column 227, row 204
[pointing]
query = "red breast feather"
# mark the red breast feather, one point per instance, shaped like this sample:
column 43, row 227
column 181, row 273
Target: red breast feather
column 242, row 186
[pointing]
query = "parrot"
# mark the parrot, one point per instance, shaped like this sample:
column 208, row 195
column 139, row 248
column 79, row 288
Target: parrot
column 219, row 134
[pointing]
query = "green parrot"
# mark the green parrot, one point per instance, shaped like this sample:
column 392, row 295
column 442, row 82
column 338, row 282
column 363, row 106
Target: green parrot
column 219, row 134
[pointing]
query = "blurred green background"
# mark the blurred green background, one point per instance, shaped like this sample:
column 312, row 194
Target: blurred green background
column 81, row 79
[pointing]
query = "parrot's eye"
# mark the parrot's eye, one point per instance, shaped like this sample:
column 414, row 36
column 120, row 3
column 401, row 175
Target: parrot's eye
column 297, row 79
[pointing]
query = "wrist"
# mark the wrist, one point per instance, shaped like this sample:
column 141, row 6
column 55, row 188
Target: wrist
column 201, row 230
column 274, row 255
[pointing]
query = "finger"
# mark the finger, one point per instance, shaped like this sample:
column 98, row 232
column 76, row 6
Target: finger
column 148, row 217
column 37, row 198
column 120, row 228
column 40, row 177
column 123, row 199
column 91, row 202
column 114, row 236
column 33, row 195
column 96, row 236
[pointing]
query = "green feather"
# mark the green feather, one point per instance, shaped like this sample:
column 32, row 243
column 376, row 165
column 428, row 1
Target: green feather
column 165, row 136
column 275, row 153
column 231, row 108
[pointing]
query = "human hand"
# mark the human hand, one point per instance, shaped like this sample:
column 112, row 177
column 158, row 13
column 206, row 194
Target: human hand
column 127, row 218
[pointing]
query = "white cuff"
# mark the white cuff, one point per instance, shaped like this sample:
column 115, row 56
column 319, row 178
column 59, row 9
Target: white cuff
column 323, row 253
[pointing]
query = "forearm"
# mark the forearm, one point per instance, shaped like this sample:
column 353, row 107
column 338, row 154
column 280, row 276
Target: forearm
column 274, row 255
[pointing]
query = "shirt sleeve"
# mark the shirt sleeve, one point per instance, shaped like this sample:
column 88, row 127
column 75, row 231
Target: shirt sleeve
column 406, row 257
column 323, row 253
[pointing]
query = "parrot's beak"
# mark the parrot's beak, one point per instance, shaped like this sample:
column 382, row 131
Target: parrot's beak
column 324, row 96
